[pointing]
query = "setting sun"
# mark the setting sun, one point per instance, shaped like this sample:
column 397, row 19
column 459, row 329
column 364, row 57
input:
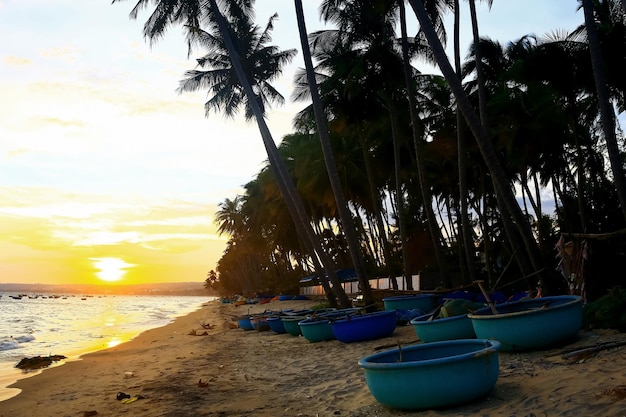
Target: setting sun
column 110, row 269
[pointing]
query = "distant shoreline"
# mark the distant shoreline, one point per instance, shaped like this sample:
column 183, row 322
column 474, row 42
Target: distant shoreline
column 165, row 288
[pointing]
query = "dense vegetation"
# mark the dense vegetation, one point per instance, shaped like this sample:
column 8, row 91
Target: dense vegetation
column 508, row 167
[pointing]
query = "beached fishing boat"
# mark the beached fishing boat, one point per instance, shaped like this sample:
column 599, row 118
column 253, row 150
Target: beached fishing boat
column 430, row 329
column 318, row 328
column 407, row 307
column 448, row 322
column 245, row 323
column 290, row 323
column 361, row 327
column 530, row 324
column 277, row 324
column 432, row 375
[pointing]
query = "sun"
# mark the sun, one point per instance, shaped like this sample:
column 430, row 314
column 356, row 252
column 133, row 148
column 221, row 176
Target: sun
column 110, row 269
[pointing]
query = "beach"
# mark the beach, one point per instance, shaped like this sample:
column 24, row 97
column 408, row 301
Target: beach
column 200, row 365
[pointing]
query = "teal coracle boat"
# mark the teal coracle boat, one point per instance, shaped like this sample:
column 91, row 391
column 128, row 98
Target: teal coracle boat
column 422, row 302
column 290, row 323
column 443, row 328
column 318, row 328
column 432, row 375
column 530, row 324
column 449, row 322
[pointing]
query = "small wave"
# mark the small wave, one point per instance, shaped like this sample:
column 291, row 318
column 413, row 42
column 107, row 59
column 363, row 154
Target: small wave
column 8, row 343
column 25, row 338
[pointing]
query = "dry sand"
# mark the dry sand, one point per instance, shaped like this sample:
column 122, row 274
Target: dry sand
column 250, row 373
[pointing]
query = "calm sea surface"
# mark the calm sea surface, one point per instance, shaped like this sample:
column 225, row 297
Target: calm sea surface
column 73, row 325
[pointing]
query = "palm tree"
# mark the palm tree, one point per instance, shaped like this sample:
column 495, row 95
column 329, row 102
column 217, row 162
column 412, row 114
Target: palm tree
column 191, row 13
column 607, row 115
column 465, row 226
column 322, row 127
column 509, row 208
column 418, row 140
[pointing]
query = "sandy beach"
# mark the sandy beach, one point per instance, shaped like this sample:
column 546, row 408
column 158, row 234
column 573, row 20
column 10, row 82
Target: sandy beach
column 232, row 372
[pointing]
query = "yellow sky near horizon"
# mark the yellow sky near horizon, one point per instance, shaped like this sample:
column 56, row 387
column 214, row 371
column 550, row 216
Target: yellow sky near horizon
column 106, row 173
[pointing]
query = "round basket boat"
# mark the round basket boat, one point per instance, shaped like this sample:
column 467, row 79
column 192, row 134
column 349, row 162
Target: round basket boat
column 432, row 375
column 318, row 328
column 276, row 324
column 530, row 324
column 363, row 327
column 422, row 302
column 290, row 323
column 443, row 328
column 245, row 323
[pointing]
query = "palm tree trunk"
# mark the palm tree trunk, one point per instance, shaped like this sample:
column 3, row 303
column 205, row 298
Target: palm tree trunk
column 607, row 114
column 376, row 206
column 433, row 227
column 400, row 206
column 288, row 190
column 331, row 166
column 466, row 231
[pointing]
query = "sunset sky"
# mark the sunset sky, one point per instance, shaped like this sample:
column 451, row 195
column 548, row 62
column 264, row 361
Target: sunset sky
column 107, row 174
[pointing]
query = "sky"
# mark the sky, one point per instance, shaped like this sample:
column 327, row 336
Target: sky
column 107, row 174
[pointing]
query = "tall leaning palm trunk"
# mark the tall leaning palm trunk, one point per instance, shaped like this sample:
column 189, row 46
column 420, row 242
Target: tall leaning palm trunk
column 331, row 166
column 283, row 180
column 466, row 229
column 509, row 207
column 482, row 111
column 433, row 226
column 607, row 114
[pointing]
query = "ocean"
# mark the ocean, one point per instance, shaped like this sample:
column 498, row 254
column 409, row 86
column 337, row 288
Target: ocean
column 72, row 325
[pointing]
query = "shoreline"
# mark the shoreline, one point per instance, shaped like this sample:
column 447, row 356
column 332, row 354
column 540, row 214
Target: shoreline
column 232, row 372
column 9, row 374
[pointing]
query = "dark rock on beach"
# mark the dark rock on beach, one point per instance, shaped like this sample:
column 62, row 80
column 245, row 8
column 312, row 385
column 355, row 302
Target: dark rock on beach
column 38, row 362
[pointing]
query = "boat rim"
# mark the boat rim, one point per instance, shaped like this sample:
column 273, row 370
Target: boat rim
column 423, row 319
column 574, row 299
column 407, row 297
column 488, row 347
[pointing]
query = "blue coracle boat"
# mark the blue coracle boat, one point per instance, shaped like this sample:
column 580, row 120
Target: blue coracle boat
column 318, row 328
column 363, row 327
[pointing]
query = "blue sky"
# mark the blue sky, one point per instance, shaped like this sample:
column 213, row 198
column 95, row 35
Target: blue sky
column 102, row 159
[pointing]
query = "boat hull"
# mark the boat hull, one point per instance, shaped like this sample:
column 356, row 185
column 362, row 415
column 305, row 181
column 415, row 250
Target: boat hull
column 316, row 329
column 444, row 328
column 423, row 302
column 432, row 375
column 276, row 324
column 363, row 327
column 530, row 324
column 245, row 323
column 291, row 324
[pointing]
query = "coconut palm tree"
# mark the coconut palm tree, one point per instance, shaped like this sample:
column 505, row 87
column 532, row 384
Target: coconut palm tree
column 322, row 127
column 509, row 207
column 249, row 92
column 607, row 114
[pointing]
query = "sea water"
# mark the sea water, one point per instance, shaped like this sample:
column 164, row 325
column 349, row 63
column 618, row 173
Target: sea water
column 72, row 325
